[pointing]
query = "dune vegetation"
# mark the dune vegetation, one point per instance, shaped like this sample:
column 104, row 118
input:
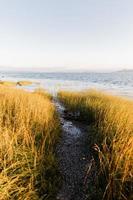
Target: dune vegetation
column 111, row 118
column 29, row 130
column 8, row 83
column 24, row 83
column 13, row 83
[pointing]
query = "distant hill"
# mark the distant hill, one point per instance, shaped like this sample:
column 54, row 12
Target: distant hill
column 126, row 70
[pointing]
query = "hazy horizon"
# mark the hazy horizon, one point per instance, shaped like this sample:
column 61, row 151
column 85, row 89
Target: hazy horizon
column 74, row 35
column 62, row 70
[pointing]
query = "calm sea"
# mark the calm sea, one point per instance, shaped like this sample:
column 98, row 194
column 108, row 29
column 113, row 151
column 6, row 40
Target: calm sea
column 119, row 83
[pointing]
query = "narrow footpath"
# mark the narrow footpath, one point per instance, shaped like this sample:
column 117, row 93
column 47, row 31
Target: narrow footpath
column 76, row 162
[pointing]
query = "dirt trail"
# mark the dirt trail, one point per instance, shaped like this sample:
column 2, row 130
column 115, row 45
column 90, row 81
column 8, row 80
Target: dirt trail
column 76, row 162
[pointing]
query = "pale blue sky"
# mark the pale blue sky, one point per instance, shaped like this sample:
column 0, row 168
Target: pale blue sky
column 66, row 34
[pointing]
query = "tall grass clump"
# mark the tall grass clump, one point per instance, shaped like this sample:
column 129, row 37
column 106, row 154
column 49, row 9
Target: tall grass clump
column 112, row 118
column 28, row 132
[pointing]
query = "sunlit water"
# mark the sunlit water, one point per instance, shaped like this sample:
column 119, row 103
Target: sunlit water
column 120, row 83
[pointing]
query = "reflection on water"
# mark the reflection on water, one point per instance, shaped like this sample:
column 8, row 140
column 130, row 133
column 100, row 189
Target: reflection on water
column 67, row 125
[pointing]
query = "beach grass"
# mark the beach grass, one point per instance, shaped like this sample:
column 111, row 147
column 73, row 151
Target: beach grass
column 29, row 130
column 13, row 83
column 24, row 83
column 112, row 119
column 8, row 83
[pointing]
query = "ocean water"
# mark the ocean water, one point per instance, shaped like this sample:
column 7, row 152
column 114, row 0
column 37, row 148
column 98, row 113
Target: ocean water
column 118, row 83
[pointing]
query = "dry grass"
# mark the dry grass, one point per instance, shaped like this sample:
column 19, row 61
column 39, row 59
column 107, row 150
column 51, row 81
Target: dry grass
column 112, row 118
column 42, row 92
column 13, row 83
column 28, row 132
column 24, row 83
column 8, row 83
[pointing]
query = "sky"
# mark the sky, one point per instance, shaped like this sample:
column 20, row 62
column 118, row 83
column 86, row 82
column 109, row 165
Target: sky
column 66, row 34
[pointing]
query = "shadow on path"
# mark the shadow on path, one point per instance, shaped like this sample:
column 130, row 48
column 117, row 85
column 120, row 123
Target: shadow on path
column 76, row 163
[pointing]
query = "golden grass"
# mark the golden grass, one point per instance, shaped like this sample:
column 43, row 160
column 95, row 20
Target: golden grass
column 42, row 92
column 28, row 132
column 24, row 83
column 13, row 83
column 112, row 118
column 8, row 83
